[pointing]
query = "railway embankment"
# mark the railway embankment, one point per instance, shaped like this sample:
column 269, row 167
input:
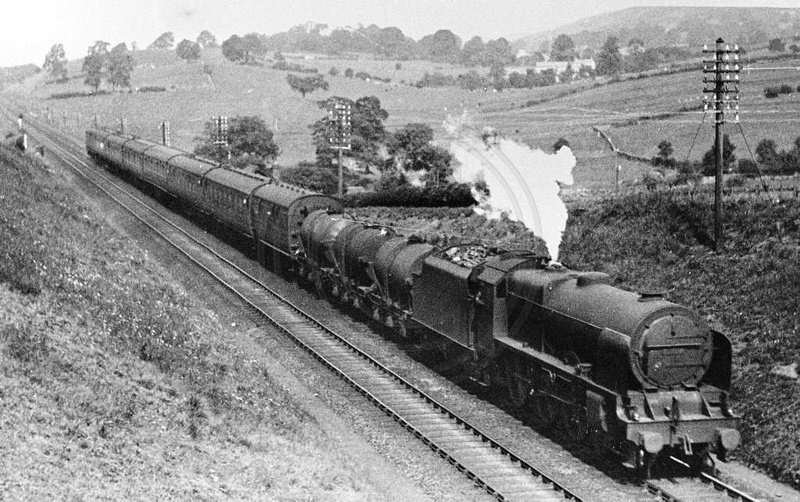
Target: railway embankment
column 115, row 383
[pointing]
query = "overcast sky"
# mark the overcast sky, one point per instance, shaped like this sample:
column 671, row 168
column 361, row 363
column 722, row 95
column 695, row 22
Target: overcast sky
column 28, row 28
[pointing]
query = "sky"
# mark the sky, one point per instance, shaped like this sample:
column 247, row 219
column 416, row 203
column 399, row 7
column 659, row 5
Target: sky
column 29, row 28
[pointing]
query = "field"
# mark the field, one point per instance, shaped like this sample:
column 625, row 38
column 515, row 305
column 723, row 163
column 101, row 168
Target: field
column 537, row 117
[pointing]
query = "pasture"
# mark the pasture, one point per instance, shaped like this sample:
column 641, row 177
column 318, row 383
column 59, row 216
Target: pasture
column 637, row 114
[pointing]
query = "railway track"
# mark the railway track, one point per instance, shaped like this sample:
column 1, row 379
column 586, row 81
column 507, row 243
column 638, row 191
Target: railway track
column 489, row 464
column 703, row 488
column 494, row 467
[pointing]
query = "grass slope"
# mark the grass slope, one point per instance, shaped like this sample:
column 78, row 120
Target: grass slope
column 115, row 384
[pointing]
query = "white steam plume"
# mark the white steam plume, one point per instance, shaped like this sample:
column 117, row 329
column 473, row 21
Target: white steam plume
column 522, row 182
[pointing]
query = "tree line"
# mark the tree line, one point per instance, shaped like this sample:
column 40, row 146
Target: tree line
column 393, row 155
column 115, row 66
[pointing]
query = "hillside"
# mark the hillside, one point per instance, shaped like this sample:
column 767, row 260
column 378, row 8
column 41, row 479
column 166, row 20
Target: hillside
column 680, row 26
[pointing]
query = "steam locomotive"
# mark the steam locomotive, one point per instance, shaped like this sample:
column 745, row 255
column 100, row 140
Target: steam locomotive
column 631, row 372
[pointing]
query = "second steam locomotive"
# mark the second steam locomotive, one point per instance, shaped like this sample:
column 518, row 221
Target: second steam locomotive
column 632, row 372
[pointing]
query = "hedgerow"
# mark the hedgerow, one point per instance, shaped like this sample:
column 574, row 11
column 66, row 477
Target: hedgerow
column 454, row 195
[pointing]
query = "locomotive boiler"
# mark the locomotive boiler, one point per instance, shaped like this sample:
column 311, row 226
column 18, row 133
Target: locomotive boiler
column 627, row 371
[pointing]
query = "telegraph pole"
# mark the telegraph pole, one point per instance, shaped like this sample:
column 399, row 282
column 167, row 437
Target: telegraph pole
column 718, row 88
column 339, row 132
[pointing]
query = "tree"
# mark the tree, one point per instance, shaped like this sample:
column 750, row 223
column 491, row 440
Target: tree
column 568, row 74
column 443, row 46
column 563, row 49
column 776, row 45
column 406, row 144
column 304, row 85
column 497, row 73
column 206, row 40
column 164, row 41
column 411, row 150
column 438, row 162
column 728, row 157
column 609, row 60
column 473, row 81
column 249, row 139
column 93, row 69
column 188, row 50
column 248, row 49
column 254, row 49
column 473, row 52
column 664, row 156
column 498, row 51
column 95, row 63
column 348, row 72
column 120, row 66
column 55, row 63
column 233, row 49
column 767, row 154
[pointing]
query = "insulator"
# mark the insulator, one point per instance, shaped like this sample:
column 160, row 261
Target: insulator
column 705, row 107
column 736, row 47
column 705, row 47
column 736, row 117
column 736, row 77
column 736, row 57
column 727, row 57
column 727, row 47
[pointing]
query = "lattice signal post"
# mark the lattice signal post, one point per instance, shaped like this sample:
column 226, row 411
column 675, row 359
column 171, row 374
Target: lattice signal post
column 721, row 88
column 339, row 132
column 220, row 134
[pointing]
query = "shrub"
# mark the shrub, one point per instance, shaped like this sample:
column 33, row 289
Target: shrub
column 436, row 79
column 785, row 89
column 734, row 180
column 747, row 167
column 771, row 92
column 311, row 177
column 152, row 88
column 76, row 94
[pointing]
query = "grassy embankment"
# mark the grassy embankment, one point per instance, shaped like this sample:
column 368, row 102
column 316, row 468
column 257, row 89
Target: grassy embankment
column 114, row 383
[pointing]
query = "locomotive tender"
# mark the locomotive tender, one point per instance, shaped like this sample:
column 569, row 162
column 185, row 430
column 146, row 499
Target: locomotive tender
column 631, row 372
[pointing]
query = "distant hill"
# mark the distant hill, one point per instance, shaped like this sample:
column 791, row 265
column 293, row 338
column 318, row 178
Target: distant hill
column 749, row 27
